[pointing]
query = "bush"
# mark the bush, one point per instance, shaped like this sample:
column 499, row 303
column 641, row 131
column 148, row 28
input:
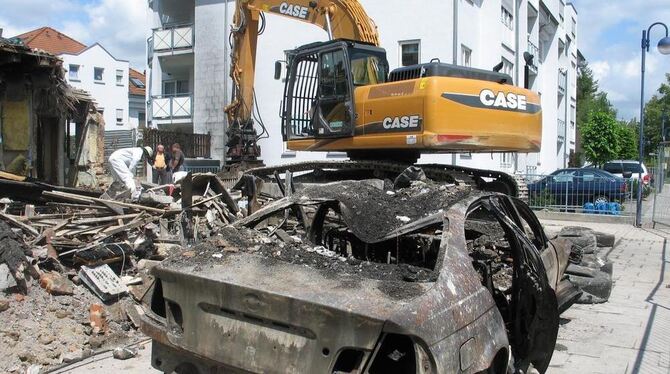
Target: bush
column 541, row 199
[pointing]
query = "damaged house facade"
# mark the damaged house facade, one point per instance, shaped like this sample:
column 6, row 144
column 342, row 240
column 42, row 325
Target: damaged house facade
column 35, row 105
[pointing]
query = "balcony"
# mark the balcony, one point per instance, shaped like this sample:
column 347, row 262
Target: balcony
column 175, row 39
column 560, row 130
column 176, row 109
column 562, row 81
column 534, row 50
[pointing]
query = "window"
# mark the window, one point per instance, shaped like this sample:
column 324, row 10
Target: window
column 175, row 87
column 410, row 52
column 367, row 69
column 564, row 176
column 119, row 116
column 466, row 56
column 508, row 67
column 73, row 72
column 333, row 74
column 142, row 120
column 138, row 83
column 333, row 90
column 589, row 176
column 98, row 74
column 119, row 77
column 506, row 18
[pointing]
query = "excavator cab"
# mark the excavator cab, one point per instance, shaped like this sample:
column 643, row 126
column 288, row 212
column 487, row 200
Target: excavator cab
column 319, row 90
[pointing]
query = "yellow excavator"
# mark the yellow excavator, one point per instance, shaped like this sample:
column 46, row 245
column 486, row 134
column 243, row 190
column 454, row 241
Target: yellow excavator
column 340, row 96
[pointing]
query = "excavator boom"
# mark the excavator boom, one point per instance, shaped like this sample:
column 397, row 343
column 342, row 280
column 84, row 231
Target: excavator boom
column 345, row 19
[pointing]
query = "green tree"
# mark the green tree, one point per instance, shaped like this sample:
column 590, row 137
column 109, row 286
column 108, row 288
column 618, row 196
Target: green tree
column 627, row 140
column 589, row 101
column 600, row 138
column 657, row 105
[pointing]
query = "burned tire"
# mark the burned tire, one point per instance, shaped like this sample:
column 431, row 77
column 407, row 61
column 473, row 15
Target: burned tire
column 583, row 239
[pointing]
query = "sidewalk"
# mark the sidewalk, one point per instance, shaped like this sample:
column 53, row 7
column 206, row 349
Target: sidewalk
column 631, row 332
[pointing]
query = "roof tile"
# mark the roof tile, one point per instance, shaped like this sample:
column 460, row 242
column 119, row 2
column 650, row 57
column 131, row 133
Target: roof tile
column 52, row 41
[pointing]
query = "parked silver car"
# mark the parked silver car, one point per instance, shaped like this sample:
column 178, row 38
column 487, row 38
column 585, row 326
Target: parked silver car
column 629, row 169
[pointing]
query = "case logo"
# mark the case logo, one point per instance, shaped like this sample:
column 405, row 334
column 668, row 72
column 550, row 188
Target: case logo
column 503, row 100
column 403, row 122
column 294, row 10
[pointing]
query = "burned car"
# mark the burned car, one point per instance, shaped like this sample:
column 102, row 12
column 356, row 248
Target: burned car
column 361, row 276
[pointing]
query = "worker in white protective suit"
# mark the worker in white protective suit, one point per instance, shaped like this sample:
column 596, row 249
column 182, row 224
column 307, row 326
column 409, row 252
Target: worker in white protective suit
column 123, row 163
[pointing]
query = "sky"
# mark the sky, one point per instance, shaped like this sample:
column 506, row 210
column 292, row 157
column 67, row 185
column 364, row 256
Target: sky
column 609, row 33
column 609, row 36
column 119, row 25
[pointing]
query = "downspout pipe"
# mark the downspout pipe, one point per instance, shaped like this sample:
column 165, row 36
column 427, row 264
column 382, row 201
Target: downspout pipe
column 568, row 96
column 455, row 34
column 516, row 62
column 454, row 52
column 226, row 86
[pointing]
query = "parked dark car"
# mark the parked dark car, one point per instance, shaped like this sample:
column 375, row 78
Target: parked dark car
column 577, row 187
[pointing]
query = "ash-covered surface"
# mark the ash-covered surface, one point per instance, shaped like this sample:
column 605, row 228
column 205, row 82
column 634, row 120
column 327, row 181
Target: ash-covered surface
column 487, row 244
column 398, row 280
column 371, row 213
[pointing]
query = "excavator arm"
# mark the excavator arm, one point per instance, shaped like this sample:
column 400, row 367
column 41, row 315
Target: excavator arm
column 341, row 19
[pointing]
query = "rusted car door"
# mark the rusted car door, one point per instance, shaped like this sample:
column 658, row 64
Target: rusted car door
column 533, row 314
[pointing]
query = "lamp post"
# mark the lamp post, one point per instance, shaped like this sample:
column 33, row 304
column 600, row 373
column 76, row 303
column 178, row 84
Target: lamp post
column 664, row 48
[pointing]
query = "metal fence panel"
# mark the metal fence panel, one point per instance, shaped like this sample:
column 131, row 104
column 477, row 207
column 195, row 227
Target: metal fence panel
column 581, row 192
column 661, row 208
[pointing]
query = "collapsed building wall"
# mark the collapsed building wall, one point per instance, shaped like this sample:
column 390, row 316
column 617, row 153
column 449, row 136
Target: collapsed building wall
column 36, row 107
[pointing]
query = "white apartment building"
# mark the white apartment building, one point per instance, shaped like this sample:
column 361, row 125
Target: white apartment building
column 189, row 59
column 93, row 69
column 106, row 79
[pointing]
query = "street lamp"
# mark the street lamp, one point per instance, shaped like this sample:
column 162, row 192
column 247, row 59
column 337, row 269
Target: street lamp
column 664, row 48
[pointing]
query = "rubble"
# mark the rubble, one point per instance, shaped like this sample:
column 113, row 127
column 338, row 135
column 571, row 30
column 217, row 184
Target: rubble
column 76, row 263
column 589, row 267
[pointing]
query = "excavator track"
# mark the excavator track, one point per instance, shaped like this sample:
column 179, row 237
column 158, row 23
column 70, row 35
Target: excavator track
column 489, row 180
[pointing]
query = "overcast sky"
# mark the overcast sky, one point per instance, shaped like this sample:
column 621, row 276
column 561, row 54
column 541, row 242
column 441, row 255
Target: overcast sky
column 609, row 36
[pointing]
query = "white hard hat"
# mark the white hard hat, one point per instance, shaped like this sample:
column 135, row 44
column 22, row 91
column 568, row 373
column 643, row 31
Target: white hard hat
column 149, row 151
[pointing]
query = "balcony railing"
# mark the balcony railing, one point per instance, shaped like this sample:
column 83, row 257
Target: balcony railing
column 173, row 38
column 193, row 145
column 534, row 50
column 172, row 107
column 560, row 129
column 562, row 81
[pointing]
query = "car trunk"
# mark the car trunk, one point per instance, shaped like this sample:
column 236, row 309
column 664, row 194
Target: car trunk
column 257, row 315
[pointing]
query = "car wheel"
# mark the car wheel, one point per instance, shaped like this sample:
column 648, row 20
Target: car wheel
column 601, row 199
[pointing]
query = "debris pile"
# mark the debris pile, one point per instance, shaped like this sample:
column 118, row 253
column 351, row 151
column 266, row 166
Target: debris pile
column 350, row 229
column 589, row 267
column 79, row 264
